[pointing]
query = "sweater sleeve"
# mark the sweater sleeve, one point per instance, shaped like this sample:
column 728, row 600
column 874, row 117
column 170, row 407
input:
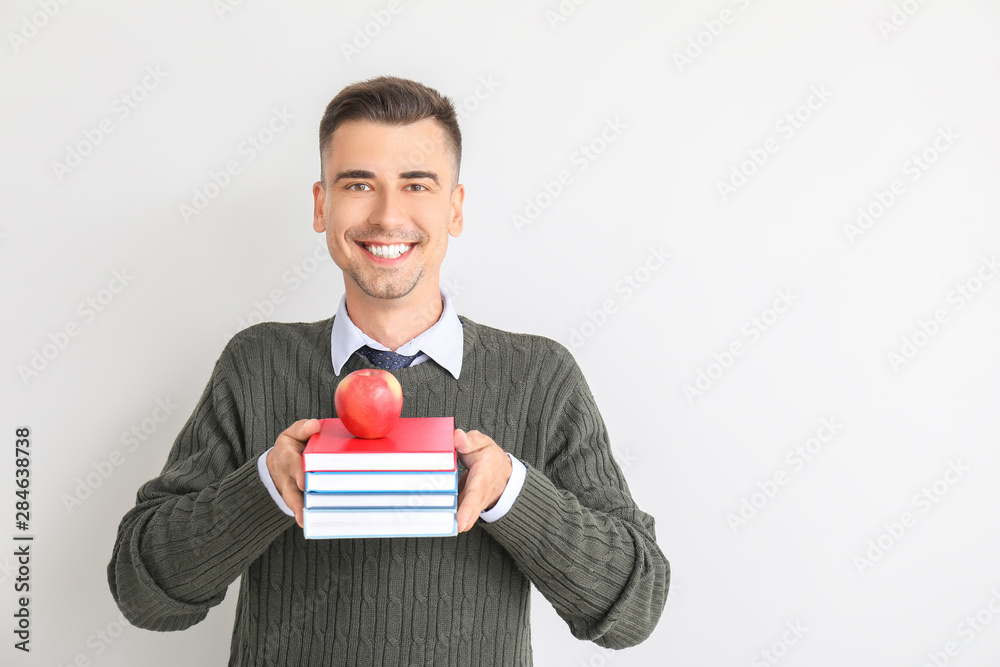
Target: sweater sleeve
column 198, row 525
column 577, row 534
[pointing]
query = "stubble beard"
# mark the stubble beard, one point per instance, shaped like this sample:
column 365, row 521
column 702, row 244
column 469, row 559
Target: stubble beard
column 380, row 284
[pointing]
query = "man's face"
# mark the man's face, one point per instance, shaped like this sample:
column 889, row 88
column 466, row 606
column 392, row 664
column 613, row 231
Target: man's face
column 388, row 185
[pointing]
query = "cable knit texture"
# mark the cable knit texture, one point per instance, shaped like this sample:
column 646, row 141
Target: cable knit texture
column 573, row 531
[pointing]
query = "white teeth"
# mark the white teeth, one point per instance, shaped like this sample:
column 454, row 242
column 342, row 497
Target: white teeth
column 389, row 252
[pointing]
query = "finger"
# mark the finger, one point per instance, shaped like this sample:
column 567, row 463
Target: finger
column 286, row 468
column 295, row 502
column 470, row 442
column 461, row 441
column 296, row 435
column 471, row 504
column 465, row 516
column 292, row 441
column 460, row 513
column 303, row 429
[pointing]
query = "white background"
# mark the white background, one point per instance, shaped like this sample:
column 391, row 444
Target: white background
column 697, row 94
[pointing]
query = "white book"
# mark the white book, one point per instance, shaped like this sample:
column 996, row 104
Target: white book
column 371, row 500
column 328, row 523
column 359, row 482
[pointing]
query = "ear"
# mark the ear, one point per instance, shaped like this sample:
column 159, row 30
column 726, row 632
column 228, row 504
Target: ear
column 456, row 221
column 319, row 199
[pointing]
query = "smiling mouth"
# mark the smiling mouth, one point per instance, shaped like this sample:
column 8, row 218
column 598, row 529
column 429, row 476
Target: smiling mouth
column 387, row 251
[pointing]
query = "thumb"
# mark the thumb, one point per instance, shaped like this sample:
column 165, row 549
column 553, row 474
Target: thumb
column 308, row 427
column 461, row 441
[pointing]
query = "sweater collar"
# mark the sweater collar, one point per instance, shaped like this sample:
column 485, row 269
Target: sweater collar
column 442, row 342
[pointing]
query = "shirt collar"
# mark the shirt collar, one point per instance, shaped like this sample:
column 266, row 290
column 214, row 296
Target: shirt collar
column 443, row 342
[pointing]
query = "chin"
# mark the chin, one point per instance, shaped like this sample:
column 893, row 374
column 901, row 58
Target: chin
column 378, row 290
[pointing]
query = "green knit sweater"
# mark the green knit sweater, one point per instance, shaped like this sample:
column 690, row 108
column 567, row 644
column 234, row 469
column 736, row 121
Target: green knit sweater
column 573, row 531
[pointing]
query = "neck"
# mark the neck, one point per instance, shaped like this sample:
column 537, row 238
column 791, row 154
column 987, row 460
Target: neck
column 394, row 322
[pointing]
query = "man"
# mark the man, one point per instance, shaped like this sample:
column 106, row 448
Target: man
column 541, row 499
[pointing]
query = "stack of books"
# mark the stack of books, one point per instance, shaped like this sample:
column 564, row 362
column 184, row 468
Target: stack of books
column 402, row 485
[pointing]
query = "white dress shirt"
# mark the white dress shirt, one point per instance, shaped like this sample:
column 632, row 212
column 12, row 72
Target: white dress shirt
column 443, row 343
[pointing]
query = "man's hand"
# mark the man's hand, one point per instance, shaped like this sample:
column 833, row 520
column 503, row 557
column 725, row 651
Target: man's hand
column 284, row 462
column 482, row 484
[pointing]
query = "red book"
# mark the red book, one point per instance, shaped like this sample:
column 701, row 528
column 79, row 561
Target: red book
column 415, row 443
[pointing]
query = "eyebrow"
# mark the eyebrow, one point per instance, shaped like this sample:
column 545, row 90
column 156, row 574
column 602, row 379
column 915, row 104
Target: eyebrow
column 408, row 175
column 420, row 174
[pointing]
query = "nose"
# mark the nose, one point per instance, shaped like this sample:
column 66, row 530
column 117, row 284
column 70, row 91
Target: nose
column 389, row 210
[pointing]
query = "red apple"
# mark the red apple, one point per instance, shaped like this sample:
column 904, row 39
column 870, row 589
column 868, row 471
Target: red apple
column 368, row 402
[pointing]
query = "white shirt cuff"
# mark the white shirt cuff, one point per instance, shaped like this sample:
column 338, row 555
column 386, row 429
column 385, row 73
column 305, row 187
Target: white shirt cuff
column 265, row 476
column 517, row 474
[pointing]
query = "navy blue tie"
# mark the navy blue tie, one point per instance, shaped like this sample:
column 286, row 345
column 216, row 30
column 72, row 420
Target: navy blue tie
column 386, row 359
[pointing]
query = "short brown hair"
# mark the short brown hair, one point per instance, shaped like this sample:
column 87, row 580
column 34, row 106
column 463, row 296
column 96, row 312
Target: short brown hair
column 390, row 100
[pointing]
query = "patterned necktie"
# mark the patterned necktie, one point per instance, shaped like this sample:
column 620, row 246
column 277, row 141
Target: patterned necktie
column 386, row 359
